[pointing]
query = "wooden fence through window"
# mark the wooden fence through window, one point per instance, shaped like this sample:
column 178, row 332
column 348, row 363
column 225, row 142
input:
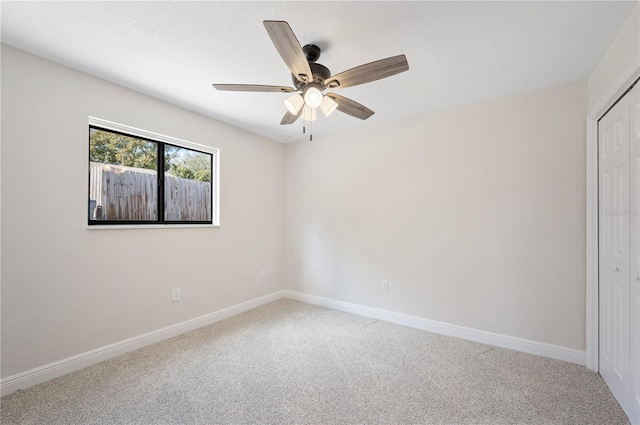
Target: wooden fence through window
column 127, row 193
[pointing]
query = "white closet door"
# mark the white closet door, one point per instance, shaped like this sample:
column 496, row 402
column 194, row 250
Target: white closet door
column 634, row 216
column 613, row 152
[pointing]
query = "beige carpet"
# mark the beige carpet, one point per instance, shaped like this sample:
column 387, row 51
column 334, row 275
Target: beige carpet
column 294, row 363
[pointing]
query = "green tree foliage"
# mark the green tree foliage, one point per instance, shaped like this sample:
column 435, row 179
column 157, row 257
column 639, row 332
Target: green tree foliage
column 117, row 149
column 188, row 164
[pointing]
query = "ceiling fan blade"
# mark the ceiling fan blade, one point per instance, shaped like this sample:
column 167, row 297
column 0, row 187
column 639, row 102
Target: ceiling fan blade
column 371, row 71
column 253, row 87
column 289, row 48
column 289, row 118
column 351, row 107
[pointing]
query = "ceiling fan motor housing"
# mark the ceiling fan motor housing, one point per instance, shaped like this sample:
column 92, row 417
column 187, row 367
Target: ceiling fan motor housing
column 312, row 52
column 320, row 72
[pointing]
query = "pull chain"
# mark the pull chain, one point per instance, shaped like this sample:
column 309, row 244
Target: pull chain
column 304, row 129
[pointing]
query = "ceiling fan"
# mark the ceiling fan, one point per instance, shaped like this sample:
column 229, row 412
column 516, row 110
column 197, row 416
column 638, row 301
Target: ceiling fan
column 311, row 78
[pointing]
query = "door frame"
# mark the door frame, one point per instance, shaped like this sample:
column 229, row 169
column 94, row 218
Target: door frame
column 615, row 90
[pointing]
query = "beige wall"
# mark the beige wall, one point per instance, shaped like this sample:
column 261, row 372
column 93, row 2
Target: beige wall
column 619, row 61
column 475, row 215
column 67, row 290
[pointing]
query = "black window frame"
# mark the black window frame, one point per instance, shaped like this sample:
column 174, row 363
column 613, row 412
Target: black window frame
column 160, row 186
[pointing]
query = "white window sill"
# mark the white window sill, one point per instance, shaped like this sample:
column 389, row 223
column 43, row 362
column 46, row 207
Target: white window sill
column 150, row 226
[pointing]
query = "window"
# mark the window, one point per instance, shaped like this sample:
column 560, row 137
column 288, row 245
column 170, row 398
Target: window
column 139, row 177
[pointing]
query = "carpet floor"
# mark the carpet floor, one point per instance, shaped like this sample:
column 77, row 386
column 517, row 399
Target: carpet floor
column 293, row 363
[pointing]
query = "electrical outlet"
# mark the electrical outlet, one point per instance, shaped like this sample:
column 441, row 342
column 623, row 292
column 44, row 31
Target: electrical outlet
column 176, row 294
column 385, row 285
column 263, row 273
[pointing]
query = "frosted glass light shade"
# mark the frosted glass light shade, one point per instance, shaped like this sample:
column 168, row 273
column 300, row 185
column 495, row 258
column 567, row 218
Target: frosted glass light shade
column 313, row 97
column 328, row 105
column 308, row 114
column 294, row 103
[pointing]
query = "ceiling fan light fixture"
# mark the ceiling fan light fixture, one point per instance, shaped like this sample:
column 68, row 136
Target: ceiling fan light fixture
column 328, row 105
column 313, row 97
column 294, row 103
column 308, row 114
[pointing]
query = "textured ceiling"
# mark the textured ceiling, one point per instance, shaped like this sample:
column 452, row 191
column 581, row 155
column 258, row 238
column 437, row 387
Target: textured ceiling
column 458, row 52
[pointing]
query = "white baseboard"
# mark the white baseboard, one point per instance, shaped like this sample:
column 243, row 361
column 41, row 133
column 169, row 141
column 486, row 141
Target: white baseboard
column 510, row 342
column 80, row 361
